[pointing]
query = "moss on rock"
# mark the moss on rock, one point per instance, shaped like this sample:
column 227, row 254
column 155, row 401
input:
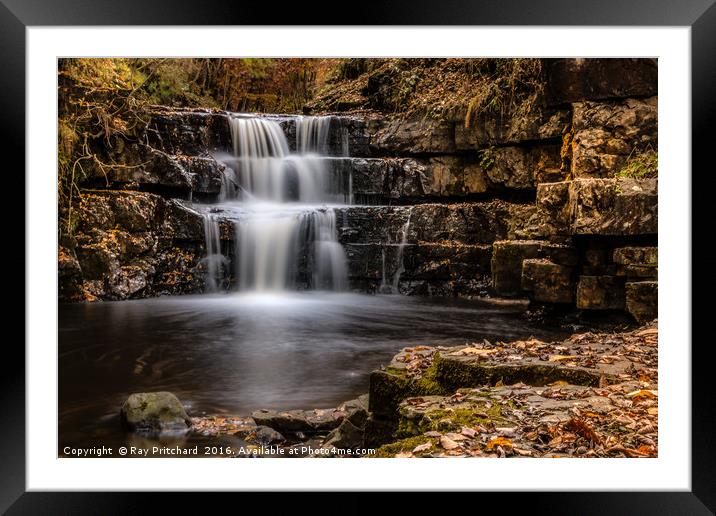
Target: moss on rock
column 404, row 446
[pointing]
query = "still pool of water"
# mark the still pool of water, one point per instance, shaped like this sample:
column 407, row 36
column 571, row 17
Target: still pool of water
column 234, row 353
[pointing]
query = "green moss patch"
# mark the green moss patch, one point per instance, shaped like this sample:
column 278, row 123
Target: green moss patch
column 405, row 445
column 644, row 165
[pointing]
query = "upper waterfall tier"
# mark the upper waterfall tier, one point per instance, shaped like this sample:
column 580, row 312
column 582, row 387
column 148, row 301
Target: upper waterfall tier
column 312, row 134
column 197, row 132
column 262, row 168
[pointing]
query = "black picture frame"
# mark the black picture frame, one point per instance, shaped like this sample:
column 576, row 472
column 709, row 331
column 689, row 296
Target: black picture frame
column 699, row 15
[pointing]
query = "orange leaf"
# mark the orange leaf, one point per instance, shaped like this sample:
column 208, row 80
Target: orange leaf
column 499, row 441
column 581, row 428
column 643, row 394
column 645, row 449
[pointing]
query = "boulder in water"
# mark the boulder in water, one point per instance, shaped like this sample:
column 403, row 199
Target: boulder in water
column 155, row 412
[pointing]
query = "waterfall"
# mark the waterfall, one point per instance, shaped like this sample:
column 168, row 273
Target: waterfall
column 215, row 261
column 279, row 202
column 401, row 248
column 312, row 134
column 384, row 287
column 229, row 184
column 330, row 269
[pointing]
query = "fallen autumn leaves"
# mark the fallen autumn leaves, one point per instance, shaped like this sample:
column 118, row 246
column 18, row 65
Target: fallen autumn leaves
column 616, row 417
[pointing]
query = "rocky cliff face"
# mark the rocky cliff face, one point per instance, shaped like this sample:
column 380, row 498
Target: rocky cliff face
column 517, row 203
column 131, row 244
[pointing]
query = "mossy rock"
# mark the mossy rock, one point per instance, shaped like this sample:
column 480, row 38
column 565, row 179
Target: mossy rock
column 404, row 446
column 154, row 412
column 453, row 373
column 437, row 417
column 391, row 386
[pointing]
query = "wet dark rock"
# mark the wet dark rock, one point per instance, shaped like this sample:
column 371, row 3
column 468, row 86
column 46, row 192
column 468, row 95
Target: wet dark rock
column 460, row 223
column 350, row 433
column 509, row 128
column 292, row 421
column 379, row 430
column 132, row 165
column 137, row 163
column 182, row 222
column 410, row 178
column 346, row 436
column 547, row 282
column 507, row 258
column 418, row 261
column 69, row 273
column 190, row 132
column 600, row 293
column 636, row 262
column 348, row 136
column 206, row 173
column 418, row 135
column 571, row 80
column 642, row 300
column 356, row 410
column 562, row 254
column 155, row 412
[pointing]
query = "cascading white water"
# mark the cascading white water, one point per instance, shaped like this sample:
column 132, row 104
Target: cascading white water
column 312, row 134
column 286, row 234
column 329, row 267
column 215, row 260
column 401, row 250
column 393, row 287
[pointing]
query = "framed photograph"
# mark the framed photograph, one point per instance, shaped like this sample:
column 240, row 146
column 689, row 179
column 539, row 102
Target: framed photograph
column 345, row 250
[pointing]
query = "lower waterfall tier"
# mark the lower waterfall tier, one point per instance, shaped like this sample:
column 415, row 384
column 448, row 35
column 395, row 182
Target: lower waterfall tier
column 276, row 247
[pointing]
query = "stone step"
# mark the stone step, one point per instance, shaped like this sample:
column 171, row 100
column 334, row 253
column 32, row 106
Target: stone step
column 424, row 377
column 458, row 223
column 444, row 269
column 526, row 421
column 586, row 359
